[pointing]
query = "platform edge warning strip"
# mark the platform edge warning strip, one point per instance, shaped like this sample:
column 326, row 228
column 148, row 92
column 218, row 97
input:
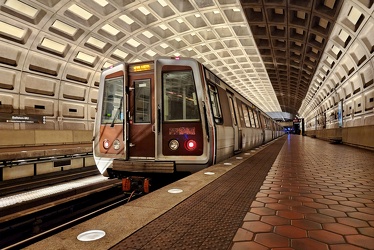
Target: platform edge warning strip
column 209, row 218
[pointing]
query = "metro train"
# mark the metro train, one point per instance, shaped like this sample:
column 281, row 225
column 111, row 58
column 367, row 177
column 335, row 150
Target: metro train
column 172, row 115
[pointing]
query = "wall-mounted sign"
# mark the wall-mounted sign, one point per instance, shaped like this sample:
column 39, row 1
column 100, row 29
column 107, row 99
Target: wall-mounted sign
column 22, row 118
column 340, row 114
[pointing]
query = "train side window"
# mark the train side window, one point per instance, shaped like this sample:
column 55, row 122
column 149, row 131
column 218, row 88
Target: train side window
column 142, row 101
column 246, row 117
column 214, row 102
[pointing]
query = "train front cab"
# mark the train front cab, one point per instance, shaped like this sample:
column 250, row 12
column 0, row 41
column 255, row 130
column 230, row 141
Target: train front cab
column 183, row 132
column 108, row 140
column 154, row 122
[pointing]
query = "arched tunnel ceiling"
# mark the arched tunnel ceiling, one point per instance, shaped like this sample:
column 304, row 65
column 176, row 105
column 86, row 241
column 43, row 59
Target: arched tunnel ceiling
column 291, row 36
column 268, row 50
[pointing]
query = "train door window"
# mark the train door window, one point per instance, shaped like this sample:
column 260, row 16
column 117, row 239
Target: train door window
column 240, row 115
column 261, row 118
column 232, row 109
column 267, row 125
column 214, row 102
column 112, row 101
column 142, row 101
column 251, row 115
column 179, row 96
column 256, row 119
column 246, row 117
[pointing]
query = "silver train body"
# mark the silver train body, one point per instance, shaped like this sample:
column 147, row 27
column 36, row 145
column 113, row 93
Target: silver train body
column 172, row 115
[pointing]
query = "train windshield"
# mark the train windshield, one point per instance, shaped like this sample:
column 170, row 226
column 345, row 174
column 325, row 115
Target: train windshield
column 179, row 93
column 112, row 101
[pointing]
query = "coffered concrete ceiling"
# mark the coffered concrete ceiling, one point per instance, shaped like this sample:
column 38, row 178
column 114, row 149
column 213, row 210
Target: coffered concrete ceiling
column 270, row 51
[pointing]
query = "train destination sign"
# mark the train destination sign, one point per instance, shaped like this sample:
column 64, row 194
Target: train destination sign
column 22, row 118
column 182, row 131
column 141, row 67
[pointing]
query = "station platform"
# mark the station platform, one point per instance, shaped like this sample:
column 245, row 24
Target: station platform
column 293, row 193
column 27, row 152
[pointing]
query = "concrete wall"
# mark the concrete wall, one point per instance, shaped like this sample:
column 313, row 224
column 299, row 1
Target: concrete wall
column 21, row 138
column 362, row 136
column 43, row 137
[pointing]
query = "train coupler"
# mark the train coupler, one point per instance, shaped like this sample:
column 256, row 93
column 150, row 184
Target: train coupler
column 136, row 183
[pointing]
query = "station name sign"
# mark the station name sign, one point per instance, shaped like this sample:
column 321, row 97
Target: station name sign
column 22, row 118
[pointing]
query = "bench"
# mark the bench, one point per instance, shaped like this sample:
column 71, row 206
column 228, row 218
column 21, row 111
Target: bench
column 336, row 139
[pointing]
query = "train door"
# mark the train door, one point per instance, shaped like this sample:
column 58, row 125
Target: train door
column 234, row 122
column 141, row 113
column 240, row 124
column 262, row 126
column 272, row 127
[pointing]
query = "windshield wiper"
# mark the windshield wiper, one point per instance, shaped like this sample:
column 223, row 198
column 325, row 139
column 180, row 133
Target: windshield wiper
column 117, row 112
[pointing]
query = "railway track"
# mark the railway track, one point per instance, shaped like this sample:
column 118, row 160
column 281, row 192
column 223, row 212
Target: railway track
column 29, row 183
column 23, row 224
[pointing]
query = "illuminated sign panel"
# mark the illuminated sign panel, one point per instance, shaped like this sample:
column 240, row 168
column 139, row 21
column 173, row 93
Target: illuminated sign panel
column 182, row 131
column 340, row 114
column 141, row 67
column 22, row 118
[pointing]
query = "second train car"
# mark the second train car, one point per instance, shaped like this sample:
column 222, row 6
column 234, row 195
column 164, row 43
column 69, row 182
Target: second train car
column 172, row 115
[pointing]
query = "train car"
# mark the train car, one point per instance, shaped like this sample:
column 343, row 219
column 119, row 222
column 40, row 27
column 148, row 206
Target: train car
column 171, row 115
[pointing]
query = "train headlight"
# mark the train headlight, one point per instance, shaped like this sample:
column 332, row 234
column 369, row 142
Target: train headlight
column 173, row 144
column 191, row 145
column 106, row 144
column 116, row 144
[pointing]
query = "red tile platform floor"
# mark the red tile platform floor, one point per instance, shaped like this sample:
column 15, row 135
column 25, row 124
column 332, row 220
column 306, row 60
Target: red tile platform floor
column 317, row 196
